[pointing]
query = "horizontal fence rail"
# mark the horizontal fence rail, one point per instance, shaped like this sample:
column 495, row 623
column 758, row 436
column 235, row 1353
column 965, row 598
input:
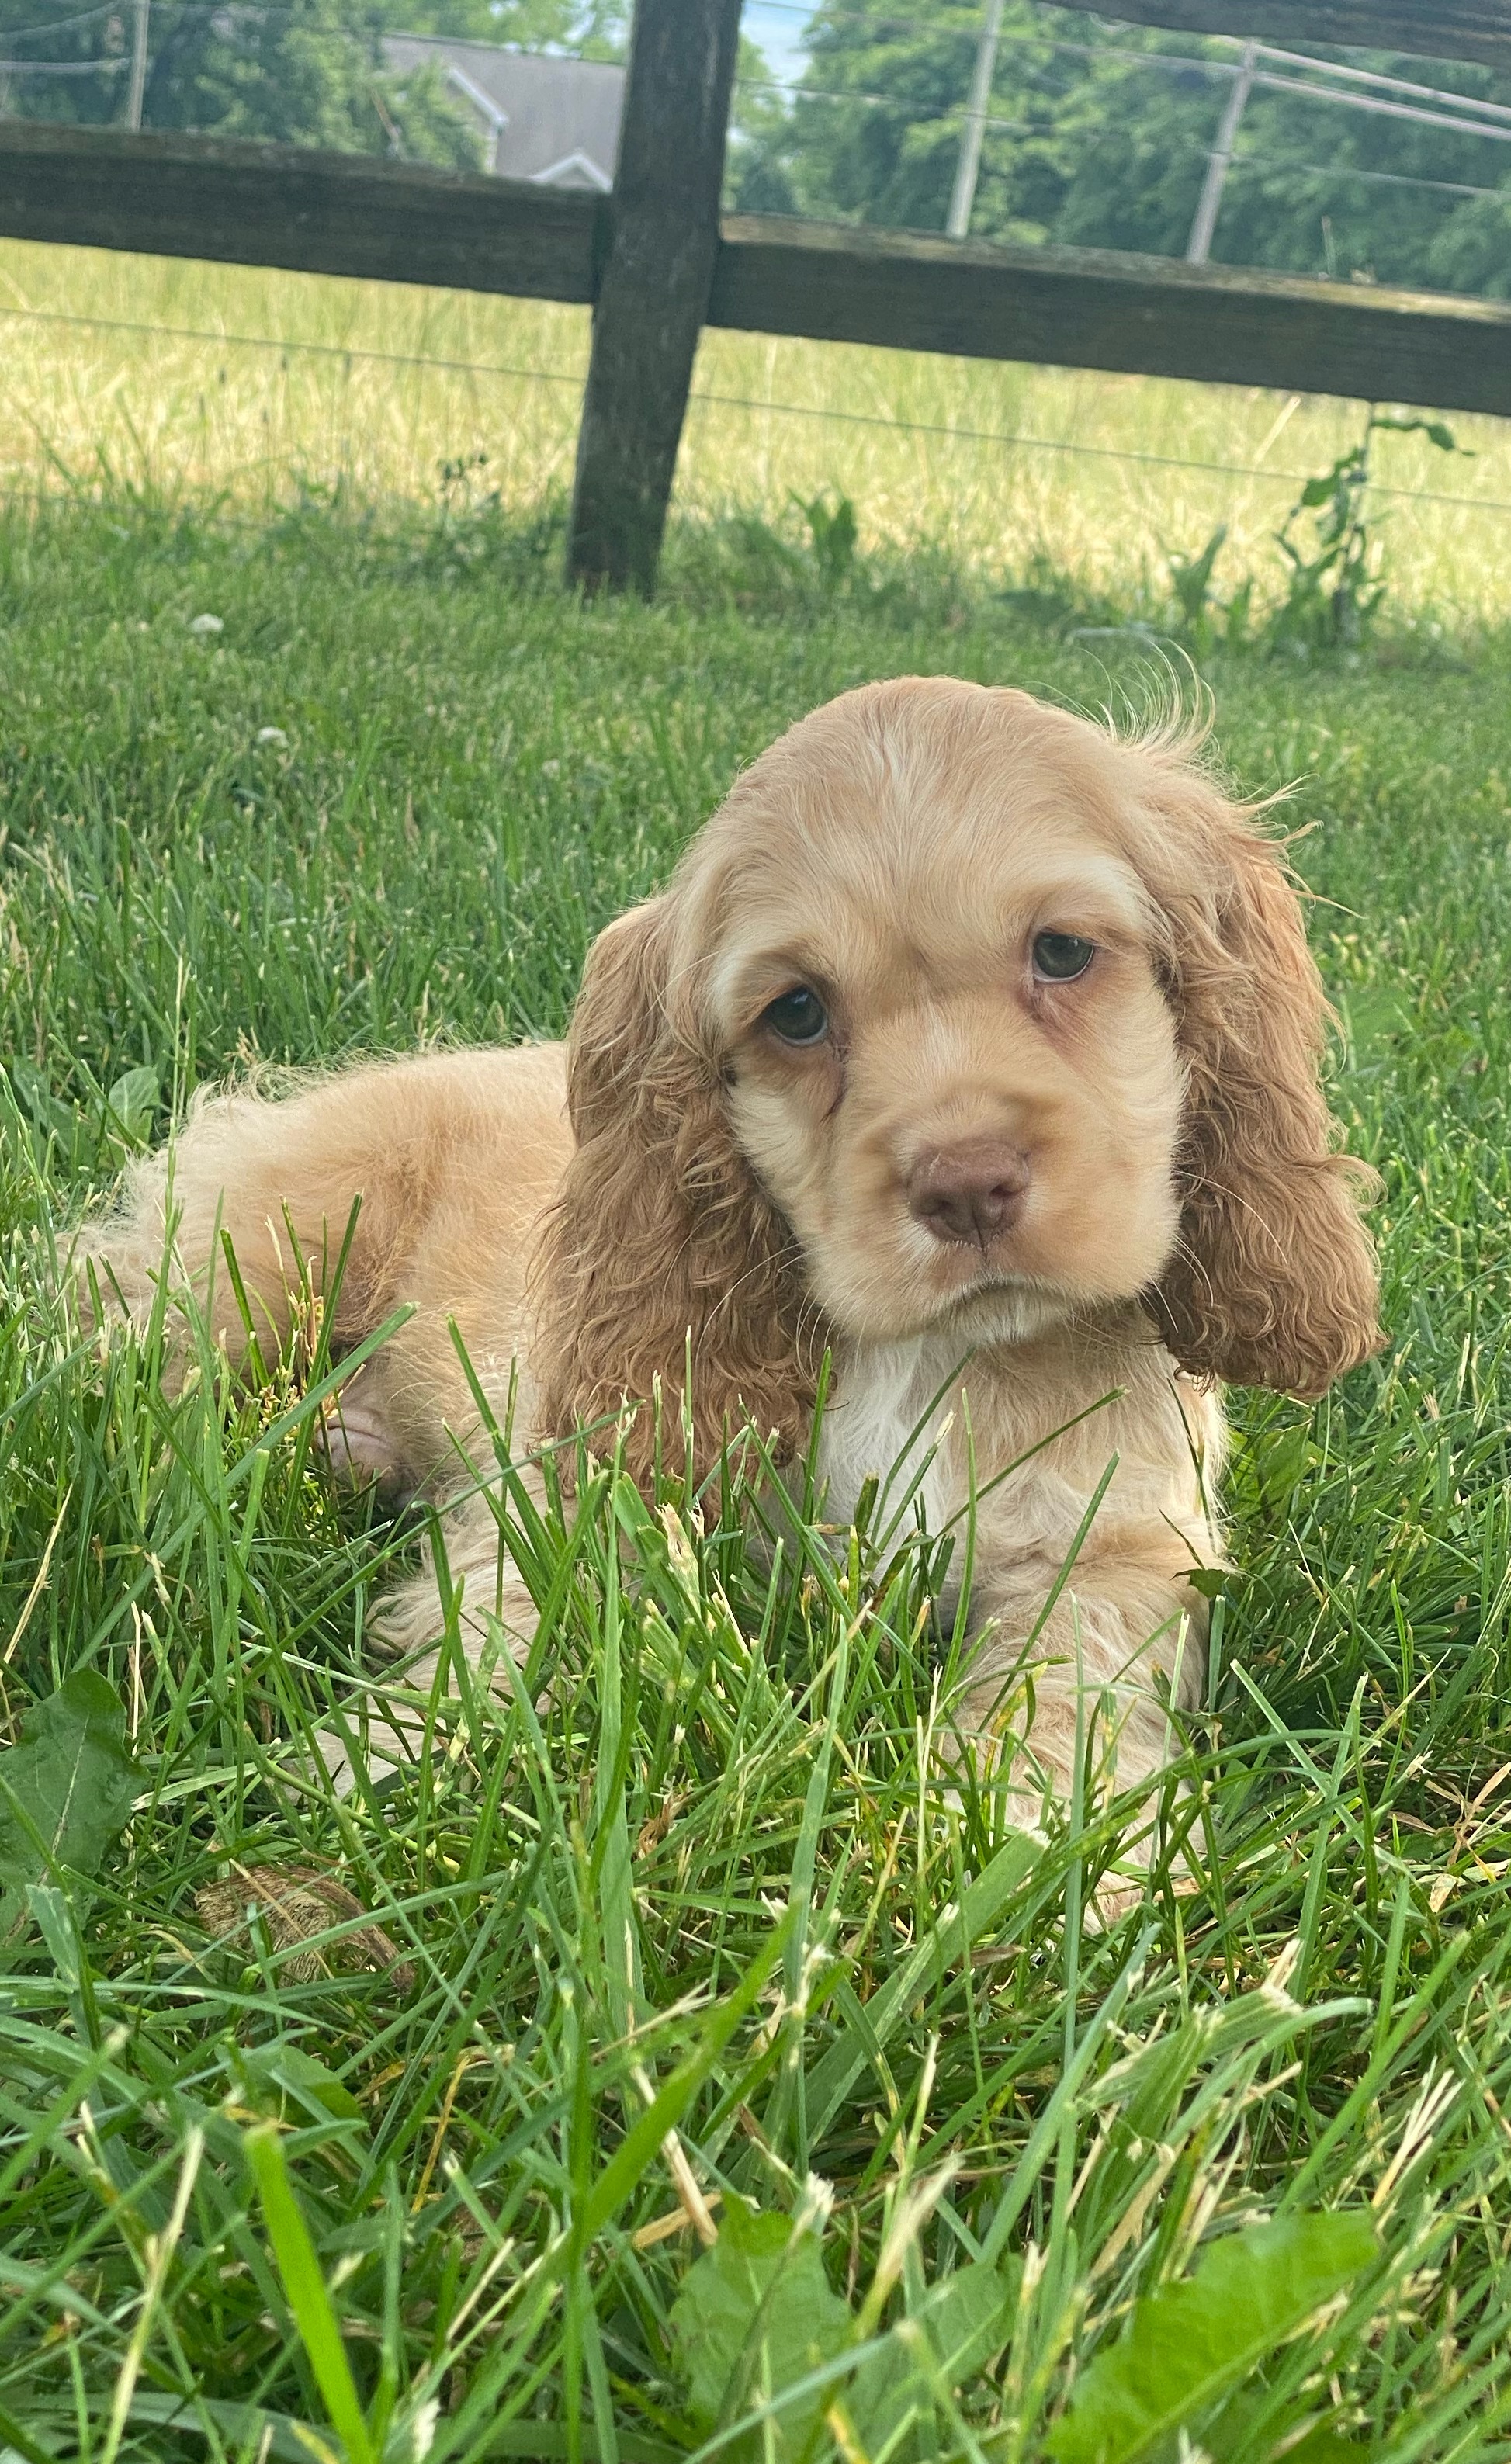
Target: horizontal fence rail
column 1438, row 29
column 346, row 214
column 238, row 203
column 1094, row 308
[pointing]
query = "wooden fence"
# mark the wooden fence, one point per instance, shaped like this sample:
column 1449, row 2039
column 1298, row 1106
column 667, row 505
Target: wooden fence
column 657, row 262
column 1438, row 29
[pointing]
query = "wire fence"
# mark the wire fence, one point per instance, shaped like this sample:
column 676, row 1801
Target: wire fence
column 351, row 355
column 1250, row 161
column 1299, row 82
column 1307, row 81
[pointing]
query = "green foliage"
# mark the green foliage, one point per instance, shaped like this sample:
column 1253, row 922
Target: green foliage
column 1107, row 148
column 1189, row 2344
column 1202, row 620
column 1337, row 583
column 303, row 73
column 700, row 1874
column 66, row 1787
column 754, row 179
column 599, row 30
column 833, row 534
column 756, row 2322
column 755, row 2316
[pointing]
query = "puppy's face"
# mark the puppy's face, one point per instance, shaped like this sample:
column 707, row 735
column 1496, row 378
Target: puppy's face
column 930, row 972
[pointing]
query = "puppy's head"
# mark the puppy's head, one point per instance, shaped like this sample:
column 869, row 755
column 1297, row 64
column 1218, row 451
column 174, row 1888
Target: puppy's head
column 959, row 1015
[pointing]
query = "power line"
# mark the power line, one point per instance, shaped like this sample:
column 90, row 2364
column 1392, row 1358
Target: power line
column 106, row 67
column 1356, row 171
column 1377, row 103
column 742, row 402
column 59, row 25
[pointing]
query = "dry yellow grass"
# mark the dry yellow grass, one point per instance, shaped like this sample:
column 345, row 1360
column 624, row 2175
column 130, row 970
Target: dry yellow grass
column 237, row 406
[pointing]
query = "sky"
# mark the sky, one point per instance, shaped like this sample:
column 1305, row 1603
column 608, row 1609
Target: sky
column 777, row 27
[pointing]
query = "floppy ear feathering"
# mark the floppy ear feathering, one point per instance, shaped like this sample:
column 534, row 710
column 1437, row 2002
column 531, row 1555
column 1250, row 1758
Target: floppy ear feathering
column 662, row 1246
column 1273, row 1281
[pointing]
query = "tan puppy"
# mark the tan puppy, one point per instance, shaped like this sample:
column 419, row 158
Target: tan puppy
column 968, row 1042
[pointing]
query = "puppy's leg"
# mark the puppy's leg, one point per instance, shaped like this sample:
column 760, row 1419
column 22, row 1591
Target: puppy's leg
column 1097, row 1666
column 493, row 1611
column 454, row 1157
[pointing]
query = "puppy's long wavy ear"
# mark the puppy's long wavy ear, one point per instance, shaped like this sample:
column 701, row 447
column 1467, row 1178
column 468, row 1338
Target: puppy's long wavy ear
column 661, row 1246
column 1274, row 1281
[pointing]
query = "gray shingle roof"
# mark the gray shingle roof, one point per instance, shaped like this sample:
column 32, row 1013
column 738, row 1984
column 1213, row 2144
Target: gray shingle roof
column 541, row 118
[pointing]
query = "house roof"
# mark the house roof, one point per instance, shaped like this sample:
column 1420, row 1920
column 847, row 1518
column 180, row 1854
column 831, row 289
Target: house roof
column 545, row 118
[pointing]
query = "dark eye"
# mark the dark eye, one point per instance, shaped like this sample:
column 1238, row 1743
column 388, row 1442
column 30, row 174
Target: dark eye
column 797, row 1017
column 1060, row 957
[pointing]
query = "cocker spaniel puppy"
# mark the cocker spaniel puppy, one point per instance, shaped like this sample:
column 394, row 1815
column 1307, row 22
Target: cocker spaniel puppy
column 968, row 1044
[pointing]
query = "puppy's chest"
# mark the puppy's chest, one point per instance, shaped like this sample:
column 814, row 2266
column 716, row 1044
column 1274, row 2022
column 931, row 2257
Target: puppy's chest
column 891, row 1422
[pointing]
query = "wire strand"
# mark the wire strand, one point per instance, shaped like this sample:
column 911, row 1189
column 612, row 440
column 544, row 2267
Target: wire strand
column 107, row 67
column 1271, row 163
column 272, row 343
column 1376, row 103
column 1096, row 453
column 740, row 402
column 60, row 25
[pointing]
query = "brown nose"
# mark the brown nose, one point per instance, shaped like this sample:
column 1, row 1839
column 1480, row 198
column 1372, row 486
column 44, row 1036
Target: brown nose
column 971, row 1192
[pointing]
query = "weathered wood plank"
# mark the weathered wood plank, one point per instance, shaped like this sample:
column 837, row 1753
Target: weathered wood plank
column 263, row 204
column 1090, row 308
column 1439, row 29
column 654, row 293
column 248, row 204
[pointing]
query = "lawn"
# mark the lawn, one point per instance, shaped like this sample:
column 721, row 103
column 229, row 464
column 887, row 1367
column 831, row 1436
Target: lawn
column 253, row 387
column 409, row 2190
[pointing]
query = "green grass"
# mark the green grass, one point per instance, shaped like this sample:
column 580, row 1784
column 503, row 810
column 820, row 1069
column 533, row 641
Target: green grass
column 268, row 382
column 438, row 2245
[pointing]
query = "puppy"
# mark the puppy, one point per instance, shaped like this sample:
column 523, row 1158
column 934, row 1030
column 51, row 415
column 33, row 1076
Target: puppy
column 967, row 1043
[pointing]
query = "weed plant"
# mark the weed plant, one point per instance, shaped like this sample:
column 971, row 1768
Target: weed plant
column 668, row 2063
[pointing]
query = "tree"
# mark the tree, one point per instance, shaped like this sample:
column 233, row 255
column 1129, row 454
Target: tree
column 1100, row 140
column 302, row 72
column 596, row 30
column 755, row 180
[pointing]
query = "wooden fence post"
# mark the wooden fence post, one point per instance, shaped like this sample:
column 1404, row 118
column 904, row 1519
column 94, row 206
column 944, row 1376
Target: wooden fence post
column 654, row 293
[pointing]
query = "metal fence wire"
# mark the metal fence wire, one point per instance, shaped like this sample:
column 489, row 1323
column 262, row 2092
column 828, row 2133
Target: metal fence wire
column 970, row 130
column 1236, row 69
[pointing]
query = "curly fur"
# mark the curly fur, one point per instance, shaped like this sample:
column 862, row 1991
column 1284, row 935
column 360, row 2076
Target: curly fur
column 665, row 1235
column 686, row 1200
column 1274, row 1281
column 661, row 1251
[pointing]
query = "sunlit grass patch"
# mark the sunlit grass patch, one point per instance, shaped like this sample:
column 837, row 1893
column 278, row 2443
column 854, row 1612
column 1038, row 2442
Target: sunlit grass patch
column 273, row 382
column 694, row 1917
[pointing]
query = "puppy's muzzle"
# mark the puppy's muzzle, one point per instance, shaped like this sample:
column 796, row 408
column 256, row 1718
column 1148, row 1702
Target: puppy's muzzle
column 970, row 1192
